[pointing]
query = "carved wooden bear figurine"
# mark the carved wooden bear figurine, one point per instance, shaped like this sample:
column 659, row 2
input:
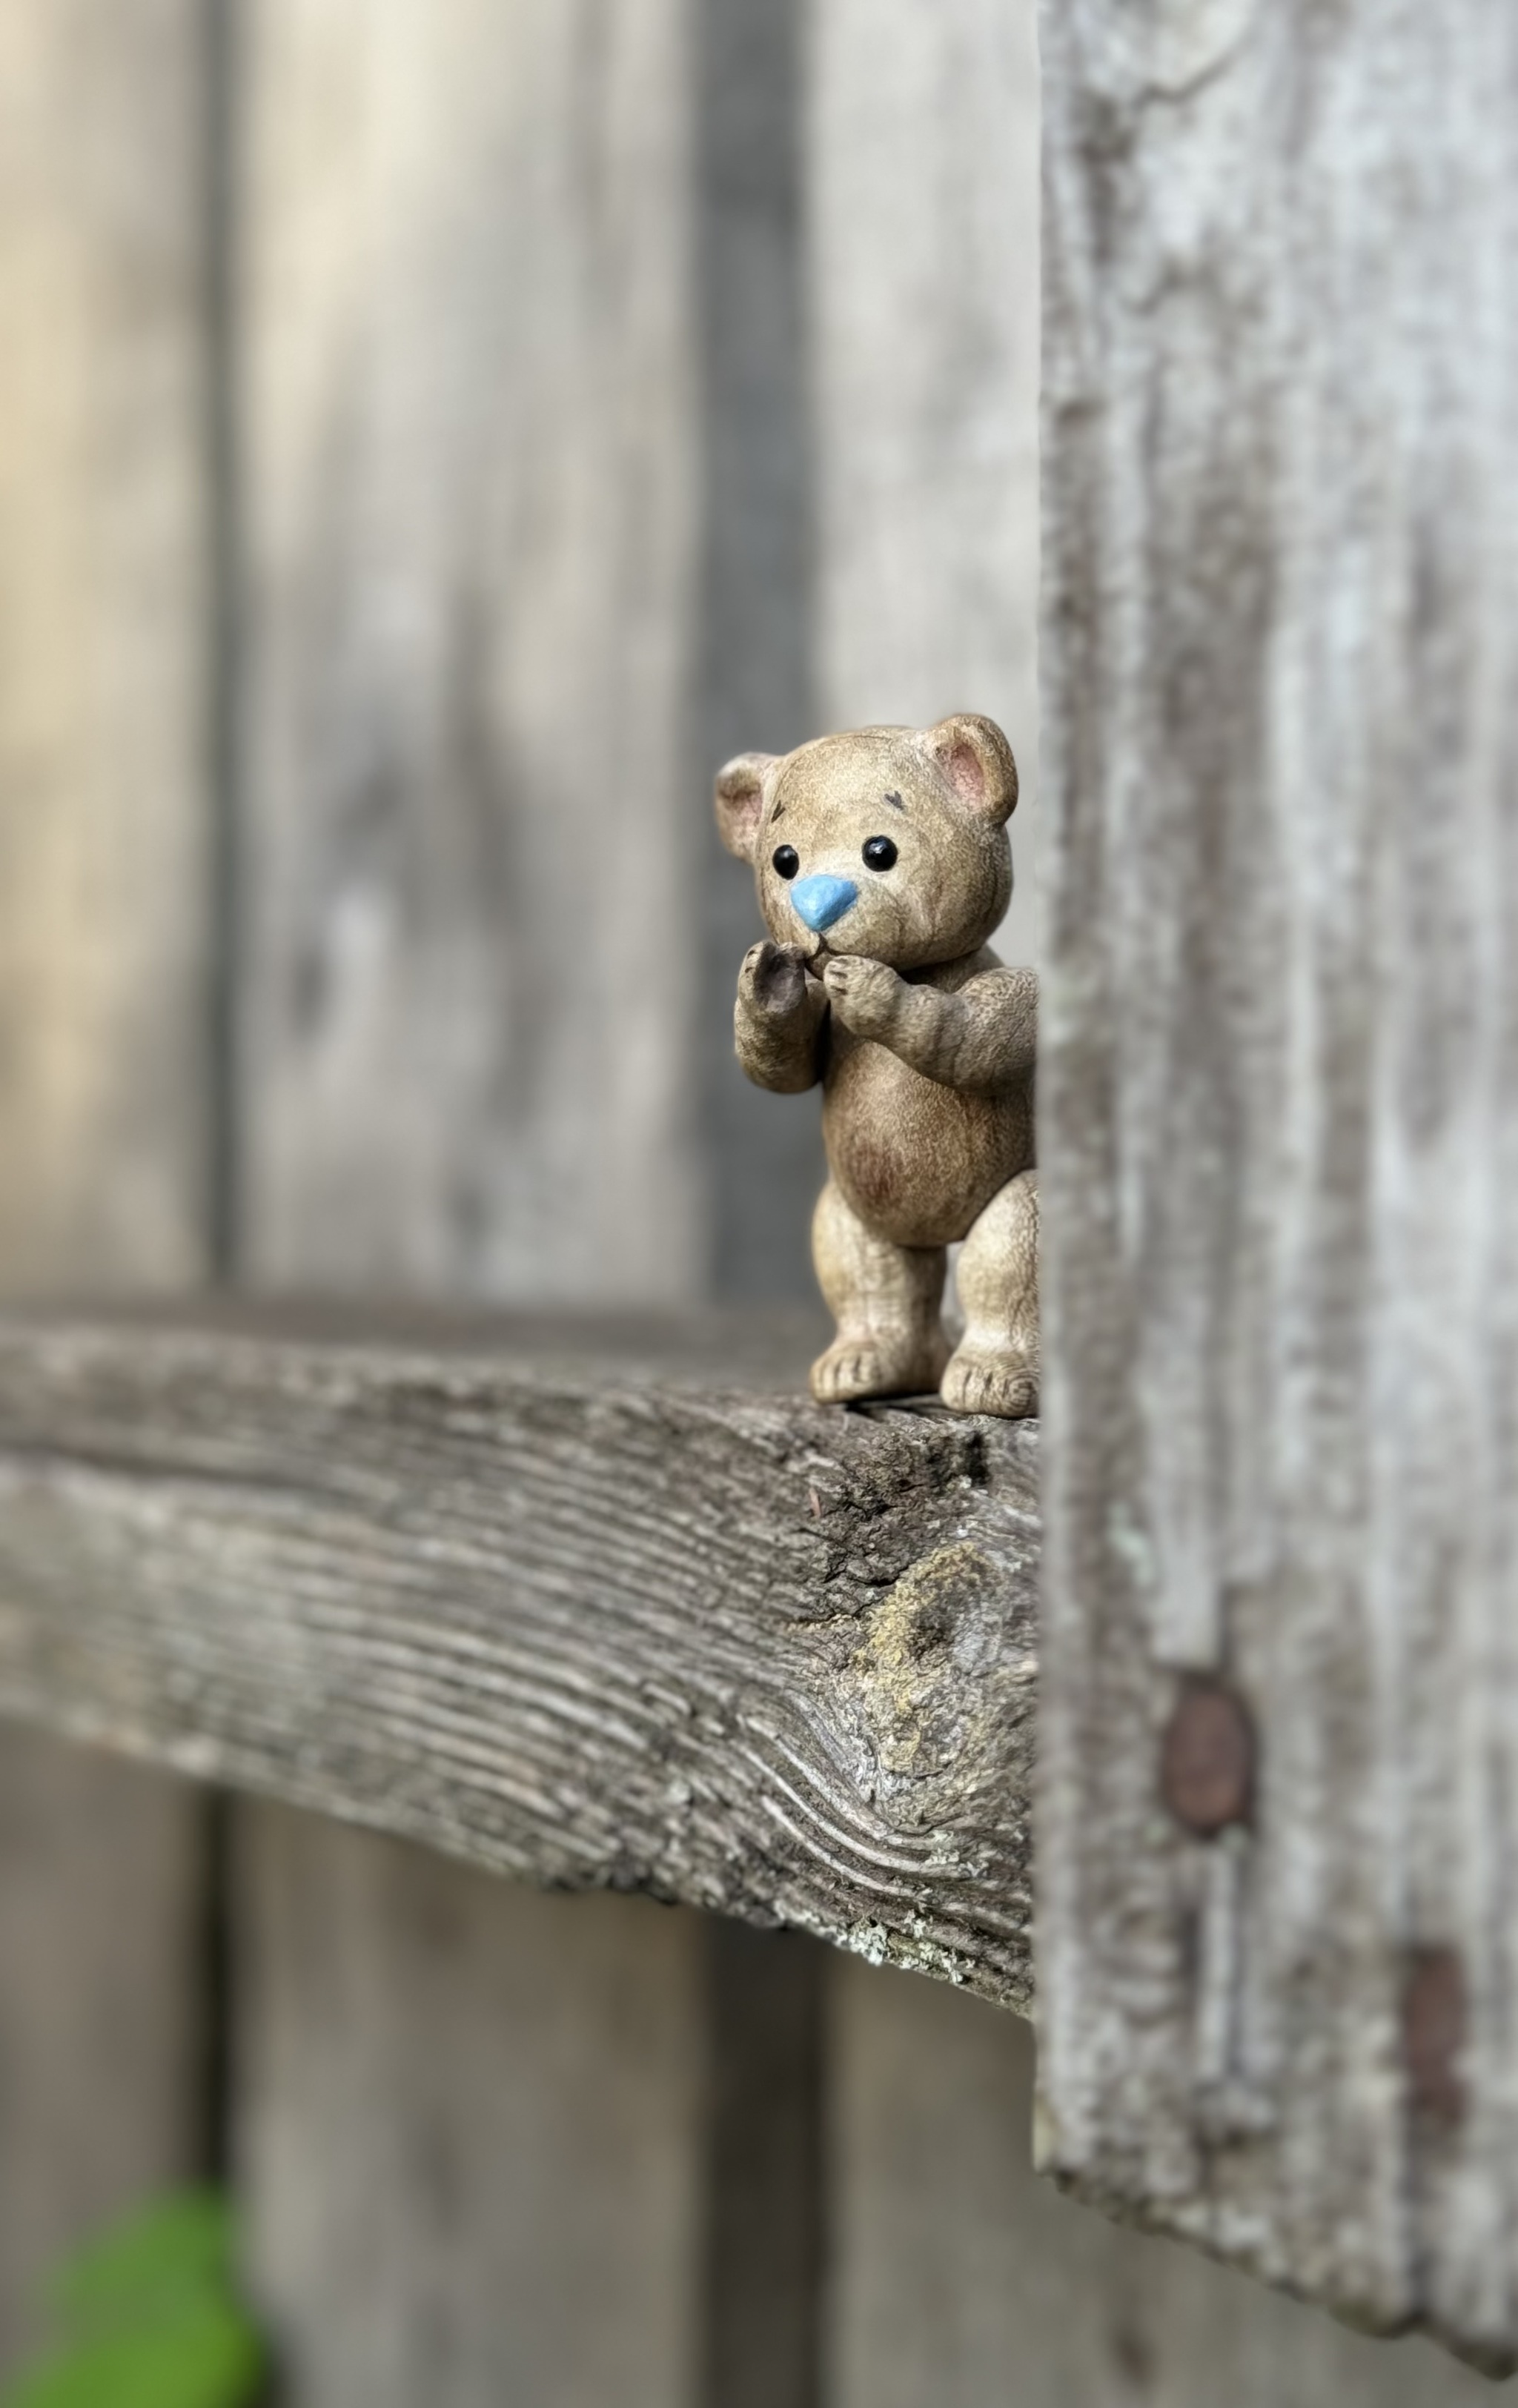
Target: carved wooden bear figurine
column 882, row 864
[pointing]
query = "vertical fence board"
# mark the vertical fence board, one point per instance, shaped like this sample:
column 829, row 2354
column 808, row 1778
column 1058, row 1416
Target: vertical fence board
column 764, row 2239
column 472, row 943
column 922, row 164
column 1280, row 1131
column 474, row 878
column 103, row 2046
column 962, row 2279
column 103, row 928
column 102, row 535
column 471, row 2118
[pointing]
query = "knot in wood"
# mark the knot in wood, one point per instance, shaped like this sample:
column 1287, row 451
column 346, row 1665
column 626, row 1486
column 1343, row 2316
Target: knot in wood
column 1207, row 1762
column 932, row 1643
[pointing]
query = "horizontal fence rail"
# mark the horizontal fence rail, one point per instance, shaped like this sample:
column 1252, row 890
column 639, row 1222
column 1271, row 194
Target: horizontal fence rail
column 609, row 1608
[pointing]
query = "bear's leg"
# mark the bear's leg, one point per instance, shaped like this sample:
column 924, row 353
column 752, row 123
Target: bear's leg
column 994, row 1368
column 886, row 1302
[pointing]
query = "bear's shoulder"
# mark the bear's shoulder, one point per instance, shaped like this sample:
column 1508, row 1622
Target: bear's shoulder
column 950, row 977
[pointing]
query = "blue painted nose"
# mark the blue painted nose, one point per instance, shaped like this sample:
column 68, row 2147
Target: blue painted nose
column 823, row 900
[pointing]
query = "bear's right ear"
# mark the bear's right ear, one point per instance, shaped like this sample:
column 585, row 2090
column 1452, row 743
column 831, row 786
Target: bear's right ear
column 740, row 801
column 977, row 760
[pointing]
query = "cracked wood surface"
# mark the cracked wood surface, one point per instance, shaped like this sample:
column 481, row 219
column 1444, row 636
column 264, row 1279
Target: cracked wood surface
column 621, row 1615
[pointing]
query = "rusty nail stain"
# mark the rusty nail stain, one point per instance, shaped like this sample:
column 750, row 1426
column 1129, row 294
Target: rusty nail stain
column 1207, row 1764
column 1434, row 2033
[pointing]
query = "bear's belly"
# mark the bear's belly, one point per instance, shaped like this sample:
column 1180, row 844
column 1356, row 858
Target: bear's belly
column 918, row 1162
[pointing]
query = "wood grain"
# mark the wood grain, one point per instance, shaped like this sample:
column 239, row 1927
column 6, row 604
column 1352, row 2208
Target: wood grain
column 590, row 1631
column 1281, row 610
column 472, row 823
column 477, row 2112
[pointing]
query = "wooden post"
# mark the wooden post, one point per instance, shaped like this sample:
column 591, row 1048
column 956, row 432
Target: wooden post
column 104, row 914
column 1277, row 2003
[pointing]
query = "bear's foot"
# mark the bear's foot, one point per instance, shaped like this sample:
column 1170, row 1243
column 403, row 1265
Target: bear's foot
column 855, row 1367
column 990, row 1379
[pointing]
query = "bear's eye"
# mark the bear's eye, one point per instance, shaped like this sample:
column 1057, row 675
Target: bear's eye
column 787, row 860
column 880, row 853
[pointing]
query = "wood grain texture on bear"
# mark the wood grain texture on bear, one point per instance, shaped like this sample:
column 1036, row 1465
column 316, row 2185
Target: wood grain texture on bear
column 583, row 1626
column 1280, row 1140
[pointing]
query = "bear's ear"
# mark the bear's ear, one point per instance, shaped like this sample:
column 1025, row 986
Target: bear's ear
column 977, row 760
column 740, row 801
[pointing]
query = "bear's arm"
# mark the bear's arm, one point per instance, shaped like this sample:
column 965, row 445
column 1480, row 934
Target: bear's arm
column 981, row 1037
column 777, row 1021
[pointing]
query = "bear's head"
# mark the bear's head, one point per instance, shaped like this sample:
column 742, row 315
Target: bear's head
column 890, row 843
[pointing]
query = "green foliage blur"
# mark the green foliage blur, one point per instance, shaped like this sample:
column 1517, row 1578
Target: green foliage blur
column 149, row 2316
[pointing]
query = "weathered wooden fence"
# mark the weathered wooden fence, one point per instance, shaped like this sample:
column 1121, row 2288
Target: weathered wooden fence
column 431, row 435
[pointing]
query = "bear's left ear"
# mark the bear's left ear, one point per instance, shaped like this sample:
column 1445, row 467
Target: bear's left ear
column 740, row 801
column 977, row 760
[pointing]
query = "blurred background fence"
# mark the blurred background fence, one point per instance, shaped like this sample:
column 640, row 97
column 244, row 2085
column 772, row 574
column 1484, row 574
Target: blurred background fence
column 433, row 435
